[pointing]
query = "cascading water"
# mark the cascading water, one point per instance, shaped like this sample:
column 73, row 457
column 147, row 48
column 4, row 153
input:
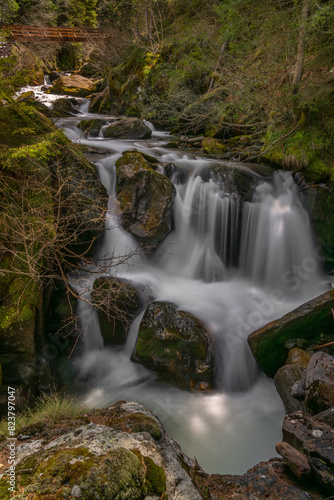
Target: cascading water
column 224, row 262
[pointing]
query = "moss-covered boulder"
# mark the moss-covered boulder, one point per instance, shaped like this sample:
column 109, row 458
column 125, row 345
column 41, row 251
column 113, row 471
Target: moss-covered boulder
column 101, row 102
column 118, row 302
column 123, row 453
column 177, row 346
column 127, row 128
column 308, row 325
column 75, row 85
column 146, row 199
column 213, row 147
column 64, row 107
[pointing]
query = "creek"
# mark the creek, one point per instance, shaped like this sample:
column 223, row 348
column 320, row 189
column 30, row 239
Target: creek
column 236, row 262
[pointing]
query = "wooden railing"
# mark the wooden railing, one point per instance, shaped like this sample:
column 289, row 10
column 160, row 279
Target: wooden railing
column 36, row 34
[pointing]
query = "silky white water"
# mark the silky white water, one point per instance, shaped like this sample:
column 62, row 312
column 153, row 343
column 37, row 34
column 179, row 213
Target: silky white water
column 234, row 263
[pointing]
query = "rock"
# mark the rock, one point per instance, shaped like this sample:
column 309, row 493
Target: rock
column 269, row 343
column 319, row 383
column 25, row 96
column 75, row 85
column 298, row 356
column 171, row 145
column 101, row 102
column 267, row 480
column 310, row 436
column 121, row 303
column 146, row 199
column 213, row 147
column 176, row 345
column 99, row 461
column 296, row 460
column 323, row 474
column 298, row 389
column 64, row 107
column 127, row 128
column 327, row 417
column 91, row 127
column 285, row 377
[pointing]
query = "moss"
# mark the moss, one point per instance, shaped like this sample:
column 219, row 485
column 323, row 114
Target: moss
column 135, row 422
column 213, row 147
column 155, row 478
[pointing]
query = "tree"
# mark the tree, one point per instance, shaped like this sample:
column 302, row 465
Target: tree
column 301, row 44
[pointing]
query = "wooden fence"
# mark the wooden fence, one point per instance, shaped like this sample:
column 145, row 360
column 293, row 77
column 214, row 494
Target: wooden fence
column 38, row 34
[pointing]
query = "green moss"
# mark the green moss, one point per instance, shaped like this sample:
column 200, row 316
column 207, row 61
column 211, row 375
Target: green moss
column 155, row 478
column 135, row 422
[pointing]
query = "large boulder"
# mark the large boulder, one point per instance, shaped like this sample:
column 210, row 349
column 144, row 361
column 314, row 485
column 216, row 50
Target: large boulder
column 64, row 107
column 146, row 199
column 121, row 452
column 75, row 85
column 319, row 383
column 117, row 304
column 127, row 128
column 101, row 102
column 310, row 322
column 177, row 346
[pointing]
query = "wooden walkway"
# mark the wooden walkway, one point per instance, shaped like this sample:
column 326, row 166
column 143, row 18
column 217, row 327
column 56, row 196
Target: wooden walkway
column 38, row 34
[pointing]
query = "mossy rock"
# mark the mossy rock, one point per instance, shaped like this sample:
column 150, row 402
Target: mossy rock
column 176, row 345
column 121, row 474
column 91, row 127
column 101, row 102
column 146, row 199
column 134, row 422
column 270, row 344
column 122, row 304
column 213, row 147
column 127, row 128
column 64, row 107
column 74, row 85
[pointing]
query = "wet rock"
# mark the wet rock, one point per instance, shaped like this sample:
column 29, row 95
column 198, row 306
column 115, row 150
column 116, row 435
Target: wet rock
column 271, row 343
column 213, row 147
column 296, row 460
column 25, row 96
column 176, row 345
column 298, row 389
column 127, row 128
column 119, row 303
column 91, row 127
column 75, row 85
column 310, row 436
column 285, row 378
column 319, row 383
column 146, row 199
column 298, row 356
column 64, row 107
column 101, row 102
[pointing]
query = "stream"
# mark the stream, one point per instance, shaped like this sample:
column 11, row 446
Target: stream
column 236, row 263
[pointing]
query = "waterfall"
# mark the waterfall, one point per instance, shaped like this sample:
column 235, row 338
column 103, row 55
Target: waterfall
column 223, row 261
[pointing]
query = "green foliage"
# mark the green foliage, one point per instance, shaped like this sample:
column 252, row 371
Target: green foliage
column 48, row 410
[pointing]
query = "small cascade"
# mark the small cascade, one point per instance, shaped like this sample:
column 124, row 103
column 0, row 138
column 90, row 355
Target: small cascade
column 89, row 326
column 206, row 231
column 47, row 81
column 277, row 248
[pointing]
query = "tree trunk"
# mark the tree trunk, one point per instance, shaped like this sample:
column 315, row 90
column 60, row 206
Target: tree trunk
column 301, row 44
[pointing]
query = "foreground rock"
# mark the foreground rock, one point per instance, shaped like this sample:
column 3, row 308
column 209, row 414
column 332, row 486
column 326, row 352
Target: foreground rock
column 119, row 302
column 310, row 322
column 146, row 199
column 176, row 345
column 75, row 85
column 123, row 453
column 319, row 383
column 314, row 440
column 127, row 128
